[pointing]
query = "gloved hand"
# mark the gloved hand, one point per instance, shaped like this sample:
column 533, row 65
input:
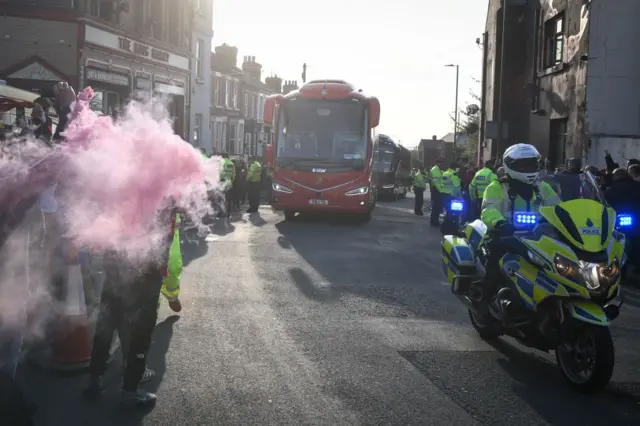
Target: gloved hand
column 504, row 228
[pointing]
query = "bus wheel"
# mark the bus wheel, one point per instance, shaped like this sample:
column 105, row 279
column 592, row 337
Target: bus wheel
column 289, row 215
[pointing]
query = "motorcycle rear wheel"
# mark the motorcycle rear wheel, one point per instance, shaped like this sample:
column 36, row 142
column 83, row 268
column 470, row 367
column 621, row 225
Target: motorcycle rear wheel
column 485, row 329
column 591, row 346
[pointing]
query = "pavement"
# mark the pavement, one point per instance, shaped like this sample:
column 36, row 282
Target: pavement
column 322, row 321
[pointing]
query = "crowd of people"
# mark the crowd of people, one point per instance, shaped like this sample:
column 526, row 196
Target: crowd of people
column 128, row 297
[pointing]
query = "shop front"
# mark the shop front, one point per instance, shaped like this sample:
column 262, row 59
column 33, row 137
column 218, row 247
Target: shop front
column 120, row 68
column 174, row 94
column 111, row 85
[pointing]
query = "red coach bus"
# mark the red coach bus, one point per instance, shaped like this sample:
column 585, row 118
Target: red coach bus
column 321, row 155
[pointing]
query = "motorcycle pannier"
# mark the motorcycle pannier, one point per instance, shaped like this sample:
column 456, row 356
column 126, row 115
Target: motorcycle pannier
column 458, row 262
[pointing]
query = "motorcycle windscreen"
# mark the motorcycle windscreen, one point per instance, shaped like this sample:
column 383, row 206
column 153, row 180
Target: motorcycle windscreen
column 586, row 224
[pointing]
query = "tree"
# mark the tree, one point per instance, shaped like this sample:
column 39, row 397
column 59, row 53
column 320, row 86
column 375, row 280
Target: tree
column 469, row 125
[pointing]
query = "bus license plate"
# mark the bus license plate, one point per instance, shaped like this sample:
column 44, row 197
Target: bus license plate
column 320, row 202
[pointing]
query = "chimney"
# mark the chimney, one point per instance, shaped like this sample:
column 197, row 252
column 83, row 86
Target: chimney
column 252, row 69
column 289, row 86
column 274, row 83
column 226, row 57
column 434, row 137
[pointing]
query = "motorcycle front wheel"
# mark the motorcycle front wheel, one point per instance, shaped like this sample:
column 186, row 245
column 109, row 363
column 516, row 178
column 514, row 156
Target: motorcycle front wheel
column 483, row 326
column 586, row 358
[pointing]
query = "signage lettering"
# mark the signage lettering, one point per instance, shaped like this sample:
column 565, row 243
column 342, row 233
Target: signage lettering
column 108, row 77
column 140, row 49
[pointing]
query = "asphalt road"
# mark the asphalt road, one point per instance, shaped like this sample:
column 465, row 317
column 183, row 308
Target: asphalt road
column 336, row 323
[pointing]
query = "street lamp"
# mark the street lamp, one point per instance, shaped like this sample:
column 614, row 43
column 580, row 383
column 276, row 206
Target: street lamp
column 455, row 117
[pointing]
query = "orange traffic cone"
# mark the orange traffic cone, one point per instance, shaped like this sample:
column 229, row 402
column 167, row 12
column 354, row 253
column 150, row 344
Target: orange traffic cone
column 72, row 347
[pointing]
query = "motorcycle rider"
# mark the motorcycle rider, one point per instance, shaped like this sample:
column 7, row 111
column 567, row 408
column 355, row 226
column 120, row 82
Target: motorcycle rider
column 478, row 185
column 518, row 191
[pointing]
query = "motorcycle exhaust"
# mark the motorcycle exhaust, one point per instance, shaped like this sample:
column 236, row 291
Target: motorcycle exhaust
column 468, row 303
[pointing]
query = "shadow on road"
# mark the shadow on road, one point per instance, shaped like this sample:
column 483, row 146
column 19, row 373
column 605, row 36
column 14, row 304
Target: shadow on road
column 257, row 220
column 510, row 386
column 385, row 263
column 60, row 401
column 540, row 384
column 193, row 249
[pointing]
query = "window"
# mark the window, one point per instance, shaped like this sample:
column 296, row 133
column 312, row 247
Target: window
column 199, row 58
column 246, row 105
column 240, row 139
column 232, row 139
column 197, row 131
column 222, row 91
column 553, row 41
column 235, row 94
column 261, row 109
column 557, row 141
column 228, row 93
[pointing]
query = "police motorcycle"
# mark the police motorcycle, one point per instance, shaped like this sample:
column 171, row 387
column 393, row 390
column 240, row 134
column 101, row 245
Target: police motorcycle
column 562, row 275
column 452, row 217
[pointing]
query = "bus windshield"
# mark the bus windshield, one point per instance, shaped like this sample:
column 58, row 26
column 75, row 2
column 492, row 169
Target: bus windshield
column 385, row 161
column 322, row 130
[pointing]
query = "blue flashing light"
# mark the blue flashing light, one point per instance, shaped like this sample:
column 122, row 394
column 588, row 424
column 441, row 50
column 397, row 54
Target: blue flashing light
column 456, row 206
column 525, row 219
column 625, row 220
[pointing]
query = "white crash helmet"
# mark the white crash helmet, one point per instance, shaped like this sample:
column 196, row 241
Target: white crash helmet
column 520, row 162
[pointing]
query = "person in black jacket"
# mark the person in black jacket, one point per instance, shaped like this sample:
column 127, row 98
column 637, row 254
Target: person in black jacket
column 624, row 197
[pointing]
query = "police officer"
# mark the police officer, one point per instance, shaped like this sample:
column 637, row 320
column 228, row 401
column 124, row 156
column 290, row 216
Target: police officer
column 254, row 176
column 518, row 191
column 451, row 185
column 227, row 176
column 478, row 185
column 419, row 186
column 435, row 180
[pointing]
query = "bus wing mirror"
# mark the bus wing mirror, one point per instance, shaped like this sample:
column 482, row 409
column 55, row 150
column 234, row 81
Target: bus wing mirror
column 270, row 155
column 270, row 109
column 374, row 112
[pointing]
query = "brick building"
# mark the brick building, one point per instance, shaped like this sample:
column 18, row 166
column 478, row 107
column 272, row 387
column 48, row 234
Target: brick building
column 120, row 48
column 254, row 93
column 226, row 118
column 571, row 80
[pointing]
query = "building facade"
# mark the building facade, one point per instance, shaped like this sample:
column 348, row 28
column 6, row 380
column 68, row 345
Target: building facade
column 226, row 119
column 568, row 89
column 254, row 94
column 200, row 118
column 39, row 43
column 122, row 49
column 612, row 115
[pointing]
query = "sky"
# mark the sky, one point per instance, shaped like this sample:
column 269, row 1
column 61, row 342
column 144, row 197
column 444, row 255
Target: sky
column 394, row 50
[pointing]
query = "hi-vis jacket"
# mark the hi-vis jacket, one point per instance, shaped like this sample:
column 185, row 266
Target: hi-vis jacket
column 451, row 184
column 228, row 173
column 480, row 182
column 255, row 172
column 420, row 180
column 498, row 205
column 435, row 177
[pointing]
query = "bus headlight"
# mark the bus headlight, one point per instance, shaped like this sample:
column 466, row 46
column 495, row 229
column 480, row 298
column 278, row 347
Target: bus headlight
column 363, row 190
column 279, row 188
